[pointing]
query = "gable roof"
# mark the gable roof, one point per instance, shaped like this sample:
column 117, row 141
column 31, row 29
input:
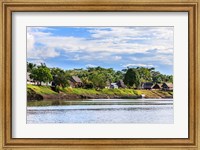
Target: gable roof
column 147, row 85
column 120, row 83
column 169, row 85
column 157, row 85
column 113, row 83
column 76, row 79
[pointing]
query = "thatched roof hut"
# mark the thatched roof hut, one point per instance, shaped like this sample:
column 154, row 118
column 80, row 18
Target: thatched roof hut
column 121, row 84
column 167, row 86
column 157, row 86
column 76, row 79
column 147, row 85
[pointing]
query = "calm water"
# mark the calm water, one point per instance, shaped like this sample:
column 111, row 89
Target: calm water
column 152, row 111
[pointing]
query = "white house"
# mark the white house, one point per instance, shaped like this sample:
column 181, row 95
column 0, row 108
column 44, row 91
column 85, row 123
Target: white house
column 113, row 86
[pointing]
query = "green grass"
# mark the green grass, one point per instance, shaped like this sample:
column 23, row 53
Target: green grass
column 155, row 93
column 81, row 91
column 119, row 92
column 165, row 93
column 40, row 89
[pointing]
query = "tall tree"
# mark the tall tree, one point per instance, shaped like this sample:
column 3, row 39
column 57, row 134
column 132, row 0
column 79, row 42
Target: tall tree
column 30, row 66
column 41, row 74
column 132, row 78
column 60, row 77
column 145, row 74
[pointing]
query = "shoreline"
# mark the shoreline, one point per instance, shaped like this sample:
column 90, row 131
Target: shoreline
column 43, row 92
column 64, row 96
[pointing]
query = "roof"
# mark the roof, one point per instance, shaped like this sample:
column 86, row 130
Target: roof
column 113, row 83
column 169, row 85
column 121, row 83
column 157, row 84
column 147, row 85
column 76, row 79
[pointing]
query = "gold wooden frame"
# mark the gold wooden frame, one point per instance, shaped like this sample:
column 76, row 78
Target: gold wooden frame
column 9, row 6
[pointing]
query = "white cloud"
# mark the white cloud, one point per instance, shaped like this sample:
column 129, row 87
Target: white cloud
column 137, row 65
column 166, row 59
column 90, row 66
column 42, row 53
column 37, row 61
column 117, row 57
column 106, row 43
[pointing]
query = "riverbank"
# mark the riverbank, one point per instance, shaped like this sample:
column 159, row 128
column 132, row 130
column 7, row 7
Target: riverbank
column 45, row 92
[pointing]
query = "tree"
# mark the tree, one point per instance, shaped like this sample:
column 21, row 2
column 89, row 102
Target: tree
column 98, row 79
column 30, row 66
column 41, row 74
column 87, row 83
column 132, row 78
column 60, row 77
column 118, row 76
column 145, row 74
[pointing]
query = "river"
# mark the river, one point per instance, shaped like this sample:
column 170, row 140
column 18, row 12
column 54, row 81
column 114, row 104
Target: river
column 145, row 111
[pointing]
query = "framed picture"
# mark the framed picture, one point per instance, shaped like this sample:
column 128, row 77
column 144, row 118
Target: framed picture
column 107, row 75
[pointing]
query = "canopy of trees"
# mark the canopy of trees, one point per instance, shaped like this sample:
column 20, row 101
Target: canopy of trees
column 97, row 77
column 41, row 74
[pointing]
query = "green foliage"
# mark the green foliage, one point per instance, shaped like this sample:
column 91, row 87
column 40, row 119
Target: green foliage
column 132, row 78
column 97, row 77
column 41, row 74
column 60, row 77
column 30, row 66
column 144, row 73
column 87, row 83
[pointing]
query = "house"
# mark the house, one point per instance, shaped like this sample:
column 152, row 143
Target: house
column 121, row 84
column 75, row 81
column 167, row 86
column 46, row 83
column 147, row 85
column 157, row 86
column 113, row 86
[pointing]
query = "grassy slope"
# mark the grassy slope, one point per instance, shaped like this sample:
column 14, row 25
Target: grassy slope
column 155, row 93
column 119, row 92
column 40, row 89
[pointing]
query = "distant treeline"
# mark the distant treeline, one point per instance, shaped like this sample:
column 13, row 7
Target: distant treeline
column 97, row 77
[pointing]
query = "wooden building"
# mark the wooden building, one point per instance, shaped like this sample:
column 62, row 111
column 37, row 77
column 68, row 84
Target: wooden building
column 75, row 81
column 147, row 85
column 121, row 84
column 167, row 86
column 157, row 86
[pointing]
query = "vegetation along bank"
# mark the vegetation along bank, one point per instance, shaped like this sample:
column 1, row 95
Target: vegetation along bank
column 96, row 82
column 44, row 92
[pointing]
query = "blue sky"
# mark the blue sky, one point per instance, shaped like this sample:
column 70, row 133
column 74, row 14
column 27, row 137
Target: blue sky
column 109, row 47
